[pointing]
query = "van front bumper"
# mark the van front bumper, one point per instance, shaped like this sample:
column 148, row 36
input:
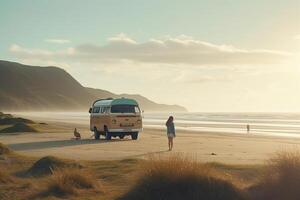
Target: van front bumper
column 127, row 130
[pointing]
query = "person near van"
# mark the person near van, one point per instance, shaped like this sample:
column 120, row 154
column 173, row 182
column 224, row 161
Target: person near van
column 170, row 131
column 77, row 134
column 248, row 128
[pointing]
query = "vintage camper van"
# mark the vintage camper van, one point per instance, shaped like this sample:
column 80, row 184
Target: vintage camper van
column 115, row 118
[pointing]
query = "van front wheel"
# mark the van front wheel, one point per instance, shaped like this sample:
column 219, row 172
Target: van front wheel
column 134, row 135
column 96, row 134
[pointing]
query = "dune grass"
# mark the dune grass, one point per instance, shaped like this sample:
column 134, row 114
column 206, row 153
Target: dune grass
column 177, row 177
column 46, row 165
column 19, row 127
column 16, row 125
column 8, row 119
column 280, row 178
column 103, row 180
column 4, row 149
column 5, row 177
column 65, row 182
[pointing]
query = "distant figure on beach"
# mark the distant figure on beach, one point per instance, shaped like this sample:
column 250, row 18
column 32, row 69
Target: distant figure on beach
column 248, row 128
column 77, row 134
column 170, row 131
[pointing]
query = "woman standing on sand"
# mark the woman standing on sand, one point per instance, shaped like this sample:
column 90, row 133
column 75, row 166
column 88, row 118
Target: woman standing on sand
column 170, row 131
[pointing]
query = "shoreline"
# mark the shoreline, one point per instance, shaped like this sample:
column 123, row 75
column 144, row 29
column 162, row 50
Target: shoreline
column 286, row 128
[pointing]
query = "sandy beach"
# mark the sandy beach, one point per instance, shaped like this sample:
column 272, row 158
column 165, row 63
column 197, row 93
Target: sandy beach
column 55, row 139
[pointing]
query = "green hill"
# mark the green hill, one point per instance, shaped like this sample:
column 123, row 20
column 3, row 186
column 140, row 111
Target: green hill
column 24, row 87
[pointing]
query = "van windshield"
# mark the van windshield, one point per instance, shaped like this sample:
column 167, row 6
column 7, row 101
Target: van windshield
column 125, row 109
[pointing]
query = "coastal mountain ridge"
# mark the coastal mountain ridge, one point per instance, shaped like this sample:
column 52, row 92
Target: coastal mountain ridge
column 25, row 87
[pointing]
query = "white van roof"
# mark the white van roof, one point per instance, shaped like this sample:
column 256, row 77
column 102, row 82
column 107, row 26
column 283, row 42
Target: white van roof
column 111, row 102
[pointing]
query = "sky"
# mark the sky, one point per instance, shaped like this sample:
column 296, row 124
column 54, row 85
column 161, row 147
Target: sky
column 206, row 55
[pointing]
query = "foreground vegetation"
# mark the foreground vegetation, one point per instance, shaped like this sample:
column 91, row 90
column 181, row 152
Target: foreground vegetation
column 176, row 177
column 11, row 124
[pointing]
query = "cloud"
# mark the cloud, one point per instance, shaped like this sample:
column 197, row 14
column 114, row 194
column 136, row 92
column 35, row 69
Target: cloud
column 170, row 50
column 123, row 38
column 26, row 52
column 58, row 41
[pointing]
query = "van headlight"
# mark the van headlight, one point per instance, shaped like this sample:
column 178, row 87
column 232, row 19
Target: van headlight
column 114, row 121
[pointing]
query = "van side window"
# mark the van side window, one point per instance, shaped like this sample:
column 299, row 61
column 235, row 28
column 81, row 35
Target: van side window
column 102, row 109
column 96, row 109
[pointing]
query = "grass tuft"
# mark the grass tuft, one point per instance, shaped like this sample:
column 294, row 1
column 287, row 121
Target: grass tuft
column 46, row 165
column 72, row 181
column 5, row 177
column 19, row 127
column 177, row 178
column 281, row 177
column 4, row 149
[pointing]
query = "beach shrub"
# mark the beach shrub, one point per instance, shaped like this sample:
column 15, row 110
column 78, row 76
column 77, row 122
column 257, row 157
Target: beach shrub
column 179, row 178
column 281, row 177
column 48, row 164
column 18, row 127
column 70, row 181
column 5, row 177
column 3, row 116
column 7, row 120
column 4, row 149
